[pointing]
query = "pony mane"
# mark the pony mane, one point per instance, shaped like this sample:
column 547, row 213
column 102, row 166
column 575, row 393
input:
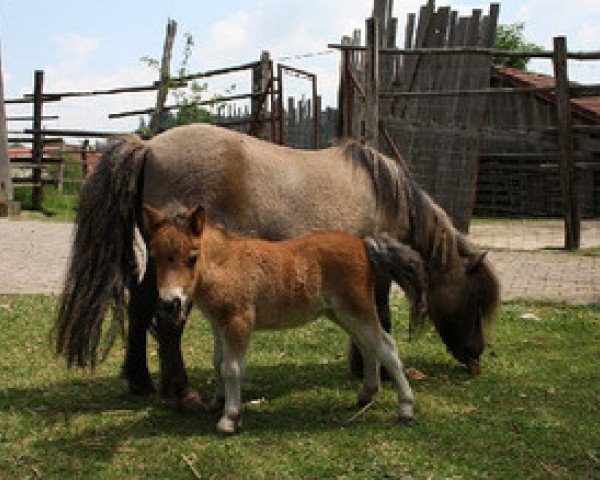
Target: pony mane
column 397, row 193
column 430, row 230
column 388, row 176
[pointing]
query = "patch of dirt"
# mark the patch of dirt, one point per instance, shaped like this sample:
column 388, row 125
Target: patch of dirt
column 34, row 255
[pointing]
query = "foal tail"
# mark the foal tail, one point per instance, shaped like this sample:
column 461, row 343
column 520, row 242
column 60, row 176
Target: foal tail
column 405, row 267
column 102, row 258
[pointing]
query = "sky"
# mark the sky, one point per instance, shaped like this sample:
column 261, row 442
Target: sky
column 98, row 44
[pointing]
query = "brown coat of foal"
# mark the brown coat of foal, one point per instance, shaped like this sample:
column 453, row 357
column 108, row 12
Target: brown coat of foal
column 244, row 284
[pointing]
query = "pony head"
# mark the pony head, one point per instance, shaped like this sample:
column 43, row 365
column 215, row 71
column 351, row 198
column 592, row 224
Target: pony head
column 174, row 245
column 462, row 304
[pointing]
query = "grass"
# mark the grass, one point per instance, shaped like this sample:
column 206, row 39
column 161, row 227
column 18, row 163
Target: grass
column 56, row 206
column 533, row 413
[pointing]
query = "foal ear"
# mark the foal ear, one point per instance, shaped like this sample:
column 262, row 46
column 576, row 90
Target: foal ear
column 151, row 217
column 475, row 262
column 197, row 220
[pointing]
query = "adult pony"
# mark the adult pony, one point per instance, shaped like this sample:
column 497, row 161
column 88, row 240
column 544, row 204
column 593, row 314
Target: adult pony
column 243, row 284
column 264, row 190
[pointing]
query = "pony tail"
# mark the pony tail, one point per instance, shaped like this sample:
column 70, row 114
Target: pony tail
column 102, row 259
column 405, row 267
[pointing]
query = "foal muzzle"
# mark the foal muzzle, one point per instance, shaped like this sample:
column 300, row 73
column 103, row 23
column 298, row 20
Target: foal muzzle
column 175, row 309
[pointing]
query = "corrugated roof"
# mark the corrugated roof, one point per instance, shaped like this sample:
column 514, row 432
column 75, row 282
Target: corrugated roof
column 588, row 106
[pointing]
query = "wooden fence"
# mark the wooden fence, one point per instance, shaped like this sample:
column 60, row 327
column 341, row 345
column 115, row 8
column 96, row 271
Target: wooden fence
column 430, row 101
column 265, row 118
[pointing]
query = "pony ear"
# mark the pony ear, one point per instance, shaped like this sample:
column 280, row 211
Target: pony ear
column 197, row 219
column 475, row 262
column 151, row 217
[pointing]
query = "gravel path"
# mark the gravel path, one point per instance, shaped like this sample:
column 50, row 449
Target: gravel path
column 34, row 254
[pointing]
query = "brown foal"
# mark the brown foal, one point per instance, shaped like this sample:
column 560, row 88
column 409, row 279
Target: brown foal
column 243, row 284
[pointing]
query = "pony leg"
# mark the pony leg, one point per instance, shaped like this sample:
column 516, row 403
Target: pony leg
column 382, row 301
column 173, row 375
column 141, row 310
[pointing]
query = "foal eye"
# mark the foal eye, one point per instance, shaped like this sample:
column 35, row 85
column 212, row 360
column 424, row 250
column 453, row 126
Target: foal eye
column 191, row 260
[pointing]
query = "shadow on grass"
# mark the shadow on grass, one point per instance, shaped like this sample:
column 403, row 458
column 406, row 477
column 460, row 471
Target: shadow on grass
column 94, row 418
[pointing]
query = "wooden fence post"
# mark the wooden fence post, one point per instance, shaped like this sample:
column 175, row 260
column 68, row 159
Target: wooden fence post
column 165, row 75
column 261, row 77
column 371, row 132
column 6, row 193
column 280, row 106
column 85, row 146
column 37, row 150
column 568, row 179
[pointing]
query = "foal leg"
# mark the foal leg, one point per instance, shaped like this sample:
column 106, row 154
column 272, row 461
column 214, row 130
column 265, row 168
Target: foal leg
column 218, row 401
column 387, row 353
column 232, row 369
column 234, row 338
column 141, row 307
column 382, row 301
column 371, row 382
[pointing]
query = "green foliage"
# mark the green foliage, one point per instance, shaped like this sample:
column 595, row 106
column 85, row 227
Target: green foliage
column 533, row 413
column 510, row 37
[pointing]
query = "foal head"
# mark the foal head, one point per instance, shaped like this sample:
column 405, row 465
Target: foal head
column 174, row 246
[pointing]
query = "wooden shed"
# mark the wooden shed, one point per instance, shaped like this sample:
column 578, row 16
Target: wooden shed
column 518, row 167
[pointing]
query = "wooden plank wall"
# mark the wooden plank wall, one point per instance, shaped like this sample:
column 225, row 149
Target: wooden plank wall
column 438, row 136
column 518, row 168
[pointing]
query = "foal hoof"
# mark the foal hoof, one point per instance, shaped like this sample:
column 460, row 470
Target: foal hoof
column 228, row 426
column 406, row 414
column 406, row 420
column 190, row 401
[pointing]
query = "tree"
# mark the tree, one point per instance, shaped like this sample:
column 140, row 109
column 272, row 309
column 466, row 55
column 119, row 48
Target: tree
column 510, row 37
column 187, row 99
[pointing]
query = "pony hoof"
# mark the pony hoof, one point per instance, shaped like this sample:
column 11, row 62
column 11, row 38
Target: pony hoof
column 228, row 426
column 190, row 401
column 142, row 389
column 474, row 367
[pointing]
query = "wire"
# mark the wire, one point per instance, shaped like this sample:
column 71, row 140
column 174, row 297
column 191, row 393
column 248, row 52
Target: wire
column 305, row 55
